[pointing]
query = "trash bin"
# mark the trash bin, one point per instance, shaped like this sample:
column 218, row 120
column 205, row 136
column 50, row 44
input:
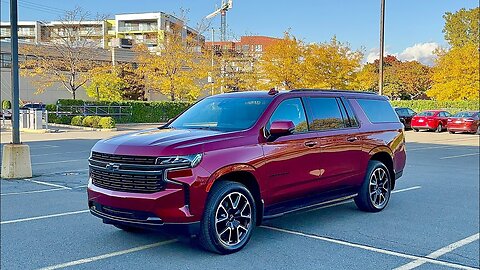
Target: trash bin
column 36, row 119
column 24, row 118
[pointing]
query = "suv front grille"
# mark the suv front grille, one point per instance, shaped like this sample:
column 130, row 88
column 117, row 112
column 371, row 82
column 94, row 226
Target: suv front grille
column 139, row 160
column 121, row 173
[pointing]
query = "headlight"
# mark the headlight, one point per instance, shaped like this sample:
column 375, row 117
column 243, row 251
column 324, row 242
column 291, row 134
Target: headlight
column 180, row 161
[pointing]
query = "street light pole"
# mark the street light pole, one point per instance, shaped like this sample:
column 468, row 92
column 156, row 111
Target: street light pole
column 382, row 24
column 14, row 73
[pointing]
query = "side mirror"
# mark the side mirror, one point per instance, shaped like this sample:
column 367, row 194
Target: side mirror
column 282, row 128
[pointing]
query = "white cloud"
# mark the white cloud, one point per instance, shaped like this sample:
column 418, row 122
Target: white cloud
column 422, row 52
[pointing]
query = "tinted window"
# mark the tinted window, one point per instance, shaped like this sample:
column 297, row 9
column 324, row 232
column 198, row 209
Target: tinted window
column 447, row 114
column 378, row 110
column 325, row 114
column 410, row 112
column 224, row 114
column 290, row 110
column 426, row 114
column 464, row 114
column 401, row 112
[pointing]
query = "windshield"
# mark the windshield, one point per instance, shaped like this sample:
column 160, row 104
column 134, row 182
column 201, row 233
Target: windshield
column 464, row 114
column 426, row 114
column 223, row 114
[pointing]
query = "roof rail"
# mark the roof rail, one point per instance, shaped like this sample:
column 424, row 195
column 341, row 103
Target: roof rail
column 335, row 91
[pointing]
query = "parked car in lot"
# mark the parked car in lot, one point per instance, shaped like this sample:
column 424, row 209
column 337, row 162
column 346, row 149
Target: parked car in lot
column 435, row 120
column 464, row 122
column 233, row 160
column 34, row 105
column 405, row 115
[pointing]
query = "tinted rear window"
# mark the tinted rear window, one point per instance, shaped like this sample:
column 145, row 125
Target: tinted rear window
column 426, row 114
column 378, row 111
column 465, row 114
column 325, row 114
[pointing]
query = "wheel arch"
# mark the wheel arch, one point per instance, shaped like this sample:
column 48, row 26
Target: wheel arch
column 384, row 155
column 245, row 175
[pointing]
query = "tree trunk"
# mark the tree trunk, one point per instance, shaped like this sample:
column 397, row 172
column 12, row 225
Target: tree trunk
column 74, row 94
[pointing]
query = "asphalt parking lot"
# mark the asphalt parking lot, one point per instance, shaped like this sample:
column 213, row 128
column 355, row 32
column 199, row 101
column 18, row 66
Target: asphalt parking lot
column 431, row 222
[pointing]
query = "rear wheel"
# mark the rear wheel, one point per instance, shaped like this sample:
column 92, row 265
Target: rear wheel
column 478, row 130
column 439, row 128
column 229, row 218
column 375, row 191
column 415, row 130
column 451, row 132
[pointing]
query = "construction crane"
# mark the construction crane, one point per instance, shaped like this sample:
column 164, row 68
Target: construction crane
column 226, row 5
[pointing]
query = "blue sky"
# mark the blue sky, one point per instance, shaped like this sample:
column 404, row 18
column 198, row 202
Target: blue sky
column 408, row 22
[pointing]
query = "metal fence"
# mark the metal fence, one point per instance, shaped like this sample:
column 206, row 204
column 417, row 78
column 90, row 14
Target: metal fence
column 116, row 111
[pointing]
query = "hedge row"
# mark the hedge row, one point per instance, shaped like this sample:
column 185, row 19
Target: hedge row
column 141, row 112
column 93, row 121
column 451, row 106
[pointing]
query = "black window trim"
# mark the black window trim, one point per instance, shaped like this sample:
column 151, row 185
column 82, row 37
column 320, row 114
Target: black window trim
column 276, row 107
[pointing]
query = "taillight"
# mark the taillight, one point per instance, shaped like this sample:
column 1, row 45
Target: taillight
column 469, row 120
column 449, row 120
column 430, row 118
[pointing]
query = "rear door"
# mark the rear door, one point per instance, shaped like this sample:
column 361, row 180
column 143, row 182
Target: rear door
column 339, row 163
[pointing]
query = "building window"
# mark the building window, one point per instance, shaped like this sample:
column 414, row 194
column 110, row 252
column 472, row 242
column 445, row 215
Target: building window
column 5, row 60
column 258, row 48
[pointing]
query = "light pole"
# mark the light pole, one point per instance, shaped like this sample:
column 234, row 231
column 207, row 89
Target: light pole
column 382, row 24
column 16, row 162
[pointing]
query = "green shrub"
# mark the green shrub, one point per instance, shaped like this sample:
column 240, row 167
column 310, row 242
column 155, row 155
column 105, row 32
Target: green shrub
column 450, row 106
column 6, row 105
column 106, row 122
column 91, row 121
column 77, row 121
column 65, row 120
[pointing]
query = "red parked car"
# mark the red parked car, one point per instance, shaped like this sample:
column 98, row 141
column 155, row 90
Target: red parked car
column 434, row 120
column 464, row 122
column 233, row 160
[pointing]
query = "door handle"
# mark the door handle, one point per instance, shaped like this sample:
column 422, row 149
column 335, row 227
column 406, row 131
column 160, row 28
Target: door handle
column 352, row 139
column 310, row 144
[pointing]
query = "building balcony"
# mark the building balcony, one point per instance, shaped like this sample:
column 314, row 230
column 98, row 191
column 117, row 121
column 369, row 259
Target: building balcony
column 138, row 28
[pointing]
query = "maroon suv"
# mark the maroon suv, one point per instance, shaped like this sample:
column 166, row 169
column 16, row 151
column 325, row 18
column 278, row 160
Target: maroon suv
column 233, row 160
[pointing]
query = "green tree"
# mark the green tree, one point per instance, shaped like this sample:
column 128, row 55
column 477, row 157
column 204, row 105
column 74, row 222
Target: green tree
column 462, row 27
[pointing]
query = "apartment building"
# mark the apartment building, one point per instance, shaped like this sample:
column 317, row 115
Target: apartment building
column 251, row 45
column 121, row 32
column 28, row 31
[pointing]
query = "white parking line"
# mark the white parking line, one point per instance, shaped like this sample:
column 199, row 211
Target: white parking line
column 60, row 161
column 439, row 252
column 31, row 192
column 431, row 147
column 108, row 255
column 465, row 155
column 44, row 217
column 43, row 146
column 47, row 184
column 406, row 189
column 369, row 248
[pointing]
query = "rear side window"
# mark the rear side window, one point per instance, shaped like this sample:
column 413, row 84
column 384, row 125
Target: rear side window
column 325, row 114
column 378, row 110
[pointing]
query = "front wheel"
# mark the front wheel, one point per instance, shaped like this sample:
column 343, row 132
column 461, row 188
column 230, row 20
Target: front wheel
column 375, row 191
column 229, row 218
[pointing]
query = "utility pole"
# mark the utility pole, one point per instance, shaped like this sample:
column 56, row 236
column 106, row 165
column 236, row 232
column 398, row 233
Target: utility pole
column 14, row 73
column 382, row 27
column 16, row 162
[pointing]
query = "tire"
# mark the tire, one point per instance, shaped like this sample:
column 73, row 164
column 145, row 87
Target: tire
column 370, row 192
column 439, row 128
column 229, row 218
column 478, row 130
column 451, row 132
column 415, row 130
column 127, row 228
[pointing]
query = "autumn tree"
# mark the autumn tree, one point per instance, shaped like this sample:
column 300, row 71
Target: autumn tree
column 282, row 63
column 176, row 69
column 456, row 74
column 71, row 52
column 105, row 84
column 331, row 65
column 462, row 27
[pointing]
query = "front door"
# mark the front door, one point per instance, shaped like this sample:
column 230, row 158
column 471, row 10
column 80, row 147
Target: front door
column 291, row 164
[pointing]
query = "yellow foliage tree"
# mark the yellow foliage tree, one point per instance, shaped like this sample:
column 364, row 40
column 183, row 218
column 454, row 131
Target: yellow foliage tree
column 456, row 74
column 331, row 65
column 105, row 84
column 176, row 69
column 282, row 63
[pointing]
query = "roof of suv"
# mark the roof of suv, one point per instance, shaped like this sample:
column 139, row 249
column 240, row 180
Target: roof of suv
column 311, row 91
